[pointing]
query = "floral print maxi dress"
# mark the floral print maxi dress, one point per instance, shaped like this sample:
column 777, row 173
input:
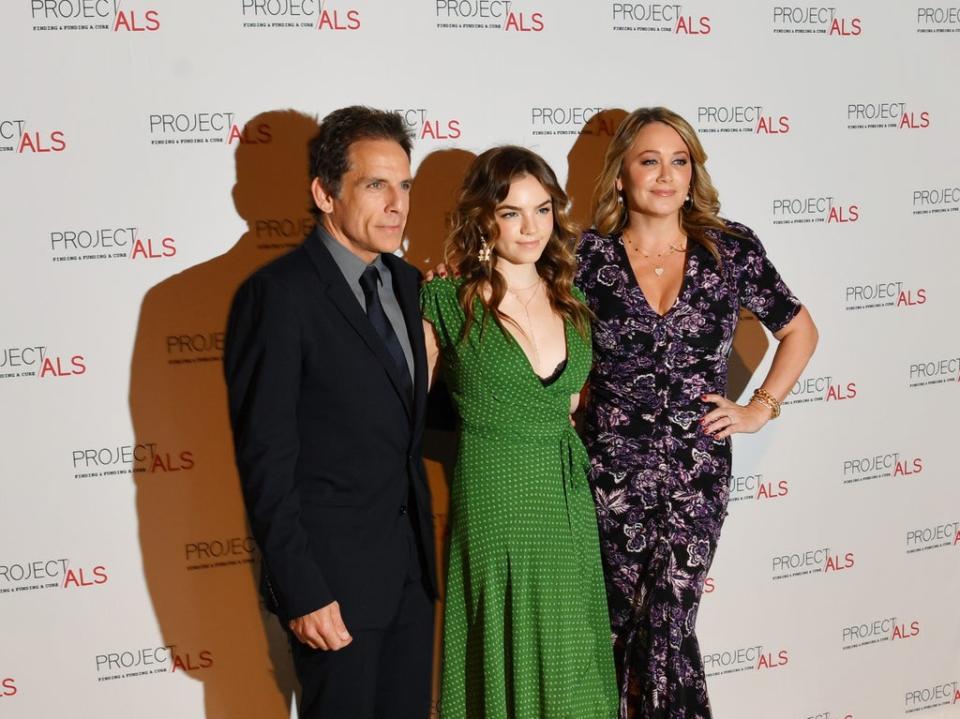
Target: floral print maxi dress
column 660, row 483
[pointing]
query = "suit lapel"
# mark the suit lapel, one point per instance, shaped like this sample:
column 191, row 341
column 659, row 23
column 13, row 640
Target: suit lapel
column 342, row 297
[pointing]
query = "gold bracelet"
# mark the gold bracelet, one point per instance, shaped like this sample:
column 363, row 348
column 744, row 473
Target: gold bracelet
column 768, row 400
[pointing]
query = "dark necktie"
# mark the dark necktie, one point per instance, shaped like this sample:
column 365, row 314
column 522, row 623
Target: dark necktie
column 370, row 282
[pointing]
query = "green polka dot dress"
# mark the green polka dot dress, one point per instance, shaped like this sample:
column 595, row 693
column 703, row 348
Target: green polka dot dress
column 526, row 629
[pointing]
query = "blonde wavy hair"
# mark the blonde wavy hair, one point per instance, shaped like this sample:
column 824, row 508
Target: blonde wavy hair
column 485, row 186
column 697, row 216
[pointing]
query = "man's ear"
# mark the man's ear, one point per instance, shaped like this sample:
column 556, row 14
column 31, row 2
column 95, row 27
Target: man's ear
column 321, row 197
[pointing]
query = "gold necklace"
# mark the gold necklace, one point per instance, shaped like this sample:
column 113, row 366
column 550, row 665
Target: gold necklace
column 523, row 289
column 657, row 266
column 526, row 310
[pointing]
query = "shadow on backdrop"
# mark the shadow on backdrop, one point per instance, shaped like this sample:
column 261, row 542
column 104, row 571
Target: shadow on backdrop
column 198, row 558
column 750, row 344
column 432, row 200
column 585, row 160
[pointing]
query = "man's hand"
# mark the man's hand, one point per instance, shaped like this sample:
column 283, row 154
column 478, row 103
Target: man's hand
column 323, row 629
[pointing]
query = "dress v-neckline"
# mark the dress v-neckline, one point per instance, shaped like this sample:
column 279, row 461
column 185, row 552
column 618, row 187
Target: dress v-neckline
column 529, row 365
column 622, row 249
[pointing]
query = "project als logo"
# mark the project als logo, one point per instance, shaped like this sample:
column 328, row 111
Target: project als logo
column 195, row 348
column 745, row 119
column 51, row 573
column 877, row 631
column 936, row 371
column 431, row 125
column 113, row 242
column 205, row 128
column 815, row 20
column 874, row 295
column 828, row 715
column 673, row 18
column 938, row 18
column 753, row 488
column 568, row 120
column 94, row 15
column 814, row 209
column 127, row 460
column 299, row 14
column 935, row 536
column 495, row 15
column 22, row 138
column 887, row 465
column 751, row 658
column 887, row 116
column 217, row 553
column 280, row 233
column 143, row 661
column 821, row 560
column 823, row 388
column 931, row 696
column 38, row 362
column 931, row 201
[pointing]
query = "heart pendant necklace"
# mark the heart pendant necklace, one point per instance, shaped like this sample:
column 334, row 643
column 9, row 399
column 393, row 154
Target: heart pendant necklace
column 657, row 265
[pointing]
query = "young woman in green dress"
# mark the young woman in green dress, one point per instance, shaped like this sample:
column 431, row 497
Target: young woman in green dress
column 526, row 627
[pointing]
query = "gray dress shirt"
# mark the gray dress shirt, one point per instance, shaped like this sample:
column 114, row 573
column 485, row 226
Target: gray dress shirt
column 352, row 267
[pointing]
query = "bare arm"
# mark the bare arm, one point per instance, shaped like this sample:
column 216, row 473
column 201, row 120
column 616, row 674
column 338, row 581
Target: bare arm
column 433, row 351
column 797, row 341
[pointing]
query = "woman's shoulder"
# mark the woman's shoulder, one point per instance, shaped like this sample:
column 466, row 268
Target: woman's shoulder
column 594, row 238
column 735, row 240
column 440, row 305
column 440, row 298
column 735, row 234
column 594, row 244
column 441, row 287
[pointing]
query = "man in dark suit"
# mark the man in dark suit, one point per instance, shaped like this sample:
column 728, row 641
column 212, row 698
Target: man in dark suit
column 326, row 371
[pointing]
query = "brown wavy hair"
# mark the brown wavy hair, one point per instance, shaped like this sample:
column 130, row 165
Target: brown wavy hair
column 697, row 216
column 485, row 186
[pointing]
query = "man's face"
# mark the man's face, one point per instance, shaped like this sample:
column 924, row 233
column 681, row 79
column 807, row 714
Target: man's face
column 369, row 214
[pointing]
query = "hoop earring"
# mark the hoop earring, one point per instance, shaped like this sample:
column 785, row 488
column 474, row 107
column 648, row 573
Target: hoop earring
column 484, row 253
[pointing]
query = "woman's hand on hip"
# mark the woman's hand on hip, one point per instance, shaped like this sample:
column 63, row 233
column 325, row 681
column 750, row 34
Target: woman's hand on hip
column 730, row 418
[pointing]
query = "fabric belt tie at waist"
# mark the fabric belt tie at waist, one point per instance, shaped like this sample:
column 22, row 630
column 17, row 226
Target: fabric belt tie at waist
column 581, row 519
column 574, row 461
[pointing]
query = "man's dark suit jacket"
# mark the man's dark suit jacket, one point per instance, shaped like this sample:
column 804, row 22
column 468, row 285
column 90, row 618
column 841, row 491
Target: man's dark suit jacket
column 328, row 443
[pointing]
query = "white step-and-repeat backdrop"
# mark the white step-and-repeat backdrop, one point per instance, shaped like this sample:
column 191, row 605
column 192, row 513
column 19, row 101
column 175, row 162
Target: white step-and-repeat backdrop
column 152, row 154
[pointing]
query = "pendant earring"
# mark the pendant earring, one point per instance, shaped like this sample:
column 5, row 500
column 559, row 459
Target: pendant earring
column 483, row 254
column 688, row 203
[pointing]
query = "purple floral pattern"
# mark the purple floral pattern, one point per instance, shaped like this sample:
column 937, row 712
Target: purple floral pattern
column 660, row 483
